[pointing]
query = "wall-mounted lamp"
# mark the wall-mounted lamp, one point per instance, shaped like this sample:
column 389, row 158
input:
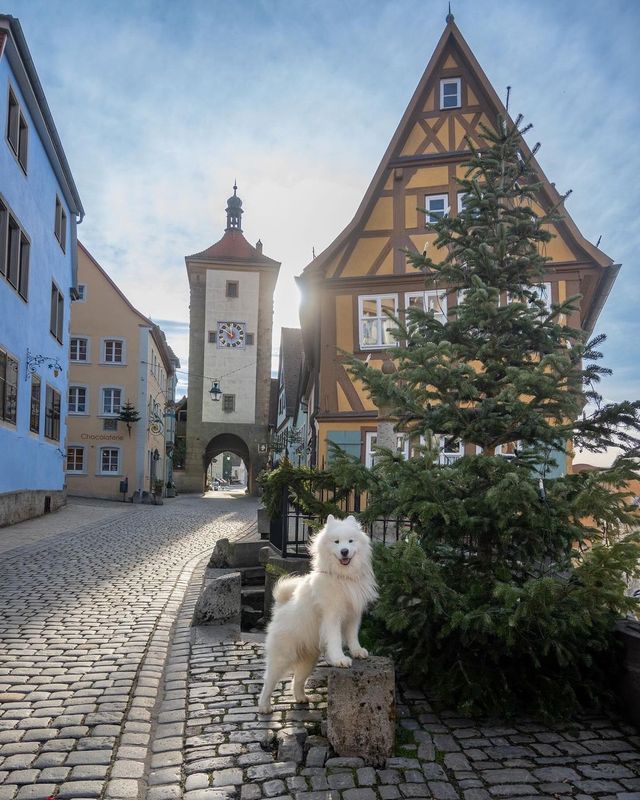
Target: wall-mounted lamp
column 215, row 391
column 34, row 360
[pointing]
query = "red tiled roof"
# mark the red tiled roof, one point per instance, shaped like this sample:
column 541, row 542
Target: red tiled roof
column 234, row 246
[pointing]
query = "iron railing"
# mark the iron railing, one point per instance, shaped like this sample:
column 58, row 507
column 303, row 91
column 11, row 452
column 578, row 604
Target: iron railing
column 292, row 528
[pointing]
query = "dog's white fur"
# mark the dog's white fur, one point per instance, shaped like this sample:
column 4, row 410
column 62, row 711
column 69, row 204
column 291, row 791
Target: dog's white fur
column 315, row 613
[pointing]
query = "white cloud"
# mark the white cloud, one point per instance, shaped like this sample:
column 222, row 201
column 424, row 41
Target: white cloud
column 160, row 106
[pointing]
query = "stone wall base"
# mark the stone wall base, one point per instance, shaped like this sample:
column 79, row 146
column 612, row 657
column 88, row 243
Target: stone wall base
column 29, row 503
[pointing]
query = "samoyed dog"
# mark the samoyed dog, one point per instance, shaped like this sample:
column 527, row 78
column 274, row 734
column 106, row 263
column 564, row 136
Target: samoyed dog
column 317, row 612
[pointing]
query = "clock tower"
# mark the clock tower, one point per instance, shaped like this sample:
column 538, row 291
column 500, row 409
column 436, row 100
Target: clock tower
column 231, row 320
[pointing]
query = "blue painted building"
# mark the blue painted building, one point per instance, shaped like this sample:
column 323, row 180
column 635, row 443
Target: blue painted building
column 39, row 211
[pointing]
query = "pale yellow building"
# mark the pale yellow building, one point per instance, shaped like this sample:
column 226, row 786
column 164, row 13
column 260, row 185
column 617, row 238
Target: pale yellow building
column 118, row 358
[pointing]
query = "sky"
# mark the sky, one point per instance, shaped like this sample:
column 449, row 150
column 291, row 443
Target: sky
column 162, row 105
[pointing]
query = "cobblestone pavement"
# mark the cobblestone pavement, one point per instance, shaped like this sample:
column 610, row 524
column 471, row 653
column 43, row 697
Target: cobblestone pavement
column 85, row 623
column 229, row 749
column 78, row 513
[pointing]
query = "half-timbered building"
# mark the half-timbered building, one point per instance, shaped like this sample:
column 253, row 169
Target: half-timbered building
column 348, row 289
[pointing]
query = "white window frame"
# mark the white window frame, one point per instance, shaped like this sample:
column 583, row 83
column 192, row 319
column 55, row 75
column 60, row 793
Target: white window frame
column 543, row 290
column 445, row 456
column 87, row 341
column 402, row 444
column 83, row 450
column 103, row 390
column 461, row 196
column 370, row 440
column 426, row 295
column 109, row 472
column 381, row 318
column 70, row 408
column 103, row 351
column 498, row 450
column 458, row 95
column 428, row 212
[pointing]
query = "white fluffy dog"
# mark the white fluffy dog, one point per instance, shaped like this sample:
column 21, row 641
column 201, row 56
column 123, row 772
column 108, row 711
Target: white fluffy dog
column 317, row 612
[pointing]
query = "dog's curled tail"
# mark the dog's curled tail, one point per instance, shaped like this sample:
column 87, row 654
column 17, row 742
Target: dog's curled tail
column 284, row 589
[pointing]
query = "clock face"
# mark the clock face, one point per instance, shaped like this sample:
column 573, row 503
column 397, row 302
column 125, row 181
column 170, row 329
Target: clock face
column 231, row 334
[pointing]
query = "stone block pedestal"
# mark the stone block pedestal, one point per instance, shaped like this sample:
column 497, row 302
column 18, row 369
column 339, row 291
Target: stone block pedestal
column 219, row 600
column 361, row 713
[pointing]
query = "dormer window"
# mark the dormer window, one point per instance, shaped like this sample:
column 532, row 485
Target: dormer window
column 450, row 93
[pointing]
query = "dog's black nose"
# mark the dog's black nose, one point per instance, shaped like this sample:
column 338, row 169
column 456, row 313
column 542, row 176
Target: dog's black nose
column 344, row 552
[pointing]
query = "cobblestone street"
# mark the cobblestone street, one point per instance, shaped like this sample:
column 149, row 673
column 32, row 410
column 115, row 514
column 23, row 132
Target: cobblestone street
column 284, row 755
column 107, row 692
column 85, row 622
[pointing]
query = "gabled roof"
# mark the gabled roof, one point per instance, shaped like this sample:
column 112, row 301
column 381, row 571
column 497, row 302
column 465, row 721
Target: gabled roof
column 170, row 359
column 235, row 248
column 452, row 38
column 290, row 366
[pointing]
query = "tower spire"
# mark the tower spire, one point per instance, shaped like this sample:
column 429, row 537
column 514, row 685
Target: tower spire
column 234, row 211
column 450, row 16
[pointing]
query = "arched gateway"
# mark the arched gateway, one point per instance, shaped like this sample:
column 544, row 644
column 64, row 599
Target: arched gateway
column 231, row 320
column 228, row 443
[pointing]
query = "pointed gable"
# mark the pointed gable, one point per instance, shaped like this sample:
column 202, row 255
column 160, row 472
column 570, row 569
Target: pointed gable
column 423, row 159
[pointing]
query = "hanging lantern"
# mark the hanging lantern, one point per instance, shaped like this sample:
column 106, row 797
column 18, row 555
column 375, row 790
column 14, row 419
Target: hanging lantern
column 215, row 391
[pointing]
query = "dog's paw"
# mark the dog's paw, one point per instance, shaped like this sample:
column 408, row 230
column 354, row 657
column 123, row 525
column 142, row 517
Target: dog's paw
column 359, row 652
column 264, row 708
column 343, row 661
column 303, row 699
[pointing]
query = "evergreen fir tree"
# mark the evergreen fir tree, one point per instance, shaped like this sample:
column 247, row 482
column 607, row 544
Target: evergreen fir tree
column 128, row 415
column 504, row 601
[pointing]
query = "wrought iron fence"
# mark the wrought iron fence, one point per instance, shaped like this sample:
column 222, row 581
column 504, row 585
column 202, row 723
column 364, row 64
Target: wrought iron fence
column 292, row 528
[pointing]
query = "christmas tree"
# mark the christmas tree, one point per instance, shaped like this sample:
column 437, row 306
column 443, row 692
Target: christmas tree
column 504, row 598
column 128, row 415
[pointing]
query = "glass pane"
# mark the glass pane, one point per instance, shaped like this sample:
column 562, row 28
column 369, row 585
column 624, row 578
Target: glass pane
column 450, row 444
column 437, row 303
column 387, row 325
column 388, row 305
column 450, row 88
column 370, row 308
column 450, row 101
column 369, row 332
column 416, row 301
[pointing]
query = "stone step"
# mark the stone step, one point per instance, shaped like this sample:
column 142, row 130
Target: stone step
column 250, row 617
column 253, row 597
column 252, row 576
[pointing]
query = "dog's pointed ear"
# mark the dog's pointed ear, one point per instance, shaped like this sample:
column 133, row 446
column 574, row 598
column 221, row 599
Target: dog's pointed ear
column 351, row 518
column 331, row 518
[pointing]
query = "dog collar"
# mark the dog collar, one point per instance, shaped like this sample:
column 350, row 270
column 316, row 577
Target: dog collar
column 333, row 575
